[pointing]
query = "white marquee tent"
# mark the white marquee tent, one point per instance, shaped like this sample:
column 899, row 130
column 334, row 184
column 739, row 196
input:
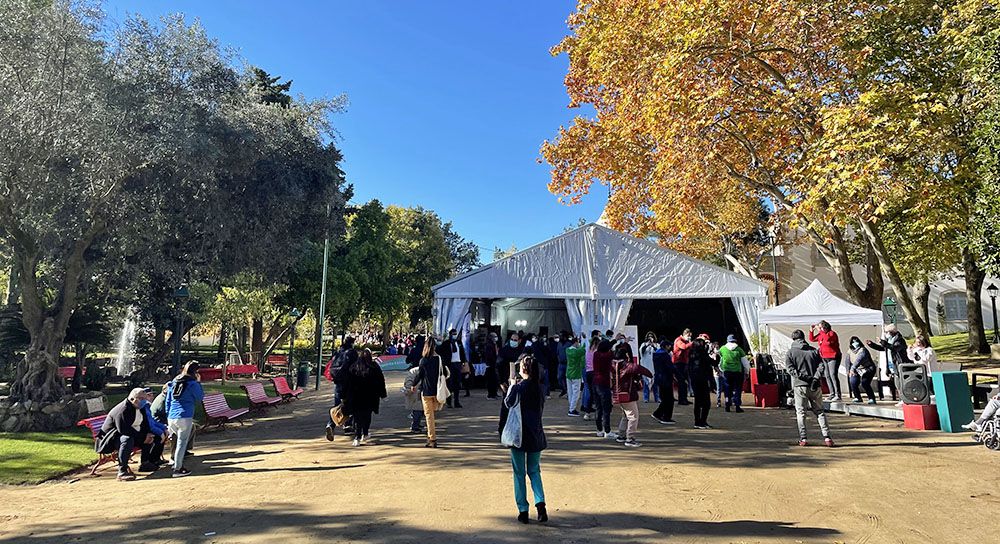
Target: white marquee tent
column 597, row 272
column 808, row 308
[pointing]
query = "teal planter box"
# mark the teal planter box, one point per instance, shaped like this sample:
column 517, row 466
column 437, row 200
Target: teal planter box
column 954, row 400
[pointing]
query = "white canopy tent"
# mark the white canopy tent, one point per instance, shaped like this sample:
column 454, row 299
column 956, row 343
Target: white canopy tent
column 597, row 272
column 808, row 308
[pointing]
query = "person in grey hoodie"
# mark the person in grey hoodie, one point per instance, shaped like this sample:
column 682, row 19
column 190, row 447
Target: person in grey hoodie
column 806, row 367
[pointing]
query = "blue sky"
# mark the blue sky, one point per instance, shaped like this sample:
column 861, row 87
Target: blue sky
column 449, row 100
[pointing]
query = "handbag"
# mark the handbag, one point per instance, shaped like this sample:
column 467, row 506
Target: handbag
column 337, row 415
column 466, row 368
column 511, row 435
column 442, row 390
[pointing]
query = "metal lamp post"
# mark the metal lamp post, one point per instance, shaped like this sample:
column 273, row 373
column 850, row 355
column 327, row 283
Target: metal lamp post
column 890, row 308
column 295, row 315
column 993, row 291
column 774, row 266
column 180, row 295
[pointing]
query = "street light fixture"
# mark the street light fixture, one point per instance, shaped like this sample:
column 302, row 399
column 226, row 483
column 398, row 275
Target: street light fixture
column 181, row 294
column 890, row 308
column 993, row 291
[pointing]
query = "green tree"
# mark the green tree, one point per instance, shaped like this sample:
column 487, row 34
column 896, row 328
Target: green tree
column 373, row 261
column 425, row 258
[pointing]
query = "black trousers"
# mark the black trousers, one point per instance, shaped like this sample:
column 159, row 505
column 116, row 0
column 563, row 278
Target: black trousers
column 665, row 411
column 590, row 390
column 682, row 382
column 702, row 400
column 362, row 423
column 492, row 381
column 148, row 452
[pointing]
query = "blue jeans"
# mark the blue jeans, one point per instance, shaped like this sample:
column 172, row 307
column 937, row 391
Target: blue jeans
column 417, row 417
column 526, row 464
column 722, row 388
column 561, row 376
column 647, row 384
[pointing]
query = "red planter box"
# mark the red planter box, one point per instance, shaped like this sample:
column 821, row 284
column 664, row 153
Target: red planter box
column 921, row 417
column 765, row 395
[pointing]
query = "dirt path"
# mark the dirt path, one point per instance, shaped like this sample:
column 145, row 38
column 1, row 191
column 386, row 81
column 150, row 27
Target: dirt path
column 279, row 480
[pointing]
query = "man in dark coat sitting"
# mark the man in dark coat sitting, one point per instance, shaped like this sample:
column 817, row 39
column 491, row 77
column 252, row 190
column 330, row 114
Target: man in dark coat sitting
column 126, row 428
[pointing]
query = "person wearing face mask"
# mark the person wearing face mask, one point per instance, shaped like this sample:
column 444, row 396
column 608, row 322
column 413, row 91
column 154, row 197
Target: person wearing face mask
column 542, row 355
column 860, row 371
column 508, row 354
column 680, row 355
column 646, row 351
column 491, row 354
column 894, row 347
column 589, row 393
column 452, row 352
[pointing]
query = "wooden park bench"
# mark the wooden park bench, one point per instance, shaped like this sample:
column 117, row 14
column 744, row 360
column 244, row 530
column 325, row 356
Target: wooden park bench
column 218, row 412
column 94, row 424
column 259, row 399
column 283, row 389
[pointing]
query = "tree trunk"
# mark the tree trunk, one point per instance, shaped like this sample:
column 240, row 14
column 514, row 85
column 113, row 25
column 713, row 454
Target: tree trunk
column 13, row 290
column 149, row 363
column 81, row 358
column 903, row 297
column 159, row 336
column 974, row 279
column 37, row 377
column 922, row 294
column 838, row 257
column 223, row 339
column 257, row 338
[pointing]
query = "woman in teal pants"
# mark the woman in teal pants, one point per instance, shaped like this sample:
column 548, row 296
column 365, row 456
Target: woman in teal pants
column 526, row 395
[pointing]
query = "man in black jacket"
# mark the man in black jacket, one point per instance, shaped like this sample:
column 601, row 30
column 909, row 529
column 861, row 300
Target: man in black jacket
column 894, row 346
column 452, row 352
column 124, row 429
column 805, row 366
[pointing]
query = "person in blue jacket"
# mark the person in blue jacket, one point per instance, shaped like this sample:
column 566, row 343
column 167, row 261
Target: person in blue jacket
column 157, row 429
column 183, row 394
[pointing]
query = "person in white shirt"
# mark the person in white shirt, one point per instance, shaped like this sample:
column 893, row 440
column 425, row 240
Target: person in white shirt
column 922, row 353
column 646, row 351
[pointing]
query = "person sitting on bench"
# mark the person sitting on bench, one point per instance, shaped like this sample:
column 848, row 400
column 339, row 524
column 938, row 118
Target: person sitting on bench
column 992, row 407
column 126, row 428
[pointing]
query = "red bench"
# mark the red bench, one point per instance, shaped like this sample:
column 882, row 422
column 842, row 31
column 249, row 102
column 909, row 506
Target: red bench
column 249, row 370
column 218, row 412
column 208, row 374
column 282, row 388
column 94, row 424
column 259, row 398
column 272, row 361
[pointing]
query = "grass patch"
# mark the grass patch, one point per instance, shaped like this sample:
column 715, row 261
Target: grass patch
column 31, row 458
column 951, row 348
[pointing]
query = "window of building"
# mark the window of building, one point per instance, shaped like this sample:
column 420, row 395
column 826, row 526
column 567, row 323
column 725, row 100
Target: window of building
column 954, row 306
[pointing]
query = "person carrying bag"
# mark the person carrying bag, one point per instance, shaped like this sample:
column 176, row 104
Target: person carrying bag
column 431, row 381
column 524, row 435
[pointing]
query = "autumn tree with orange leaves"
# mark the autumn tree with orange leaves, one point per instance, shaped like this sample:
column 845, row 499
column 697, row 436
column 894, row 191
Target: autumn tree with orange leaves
column 705, row 109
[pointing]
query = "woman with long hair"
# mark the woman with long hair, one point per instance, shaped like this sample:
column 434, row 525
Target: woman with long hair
column 426, row 382
column 364, row 386
column 701, row 369
column 602, row 387
column 528, row 396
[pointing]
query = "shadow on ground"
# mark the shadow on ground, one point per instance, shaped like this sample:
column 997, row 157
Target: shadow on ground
column 239, row 524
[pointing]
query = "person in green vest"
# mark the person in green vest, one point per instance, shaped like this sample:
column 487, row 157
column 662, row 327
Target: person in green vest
column 576, row 359
column 731, row 358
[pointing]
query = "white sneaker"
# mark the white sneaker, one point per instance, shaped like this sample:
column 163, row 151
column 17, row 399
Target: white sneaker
column 611, row 436
column 632, row 443
column 600, row 434
column 971, row 426
column 366, row 438
column 356, row 442
column 588, row 417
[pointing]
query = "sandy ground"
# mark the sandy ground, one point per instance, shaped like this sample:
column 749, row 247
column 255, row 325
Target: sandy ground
column 279, row 480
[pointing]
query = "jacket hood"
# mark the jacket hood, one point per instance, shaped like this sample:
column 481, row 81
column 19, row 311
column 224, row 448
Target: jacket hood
column 801, row 344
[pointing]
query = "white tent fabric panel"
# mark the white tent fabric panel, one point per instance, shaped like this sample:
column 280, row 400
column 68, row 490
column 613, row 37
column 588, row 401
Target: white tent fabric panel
column 612, row 313
column 748, row 312
column 816, row 303
column 581, row 314
column 450, row 314
column 595, row 262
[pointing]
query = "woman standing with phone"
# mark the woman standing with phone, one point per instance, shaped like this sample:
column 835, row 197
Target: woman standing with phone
column 527, row 395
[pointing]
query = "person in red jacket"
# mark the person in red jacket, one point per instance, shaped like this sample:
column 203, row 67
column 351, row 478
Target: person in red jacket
column 682, row 349
column 628, row 381
column 829, row 350
column 602, row 387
